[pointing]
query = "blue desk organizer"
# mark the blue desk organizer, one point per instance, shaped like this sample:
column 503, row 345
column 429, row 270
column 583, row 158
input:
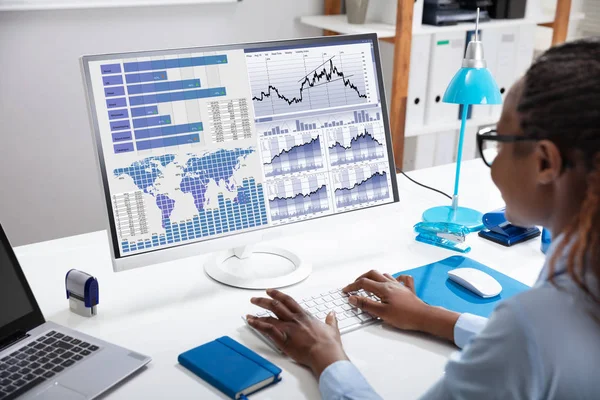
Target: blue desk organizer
column 434, row 288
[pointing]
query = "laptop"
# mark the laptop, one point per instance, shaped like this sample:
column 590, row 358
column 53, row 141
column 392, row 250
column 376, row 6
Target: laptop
column 43, row 360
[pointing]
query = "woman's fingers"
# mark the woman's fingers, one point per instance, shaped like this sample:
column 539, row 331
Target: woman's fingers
column 286, row 300
column 407, row 281
column 367, row 284
column 270, row 327
column 274, row 305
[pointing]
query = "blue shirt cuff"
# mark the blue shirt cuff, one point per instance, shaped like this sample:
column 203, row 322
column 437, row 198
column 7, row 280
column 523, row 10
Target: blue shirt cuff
column 467, row 326
column 342, row 380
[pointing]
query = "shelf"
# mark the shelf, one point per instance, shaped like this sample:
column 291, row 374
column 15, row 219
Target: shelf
column 429, row 129
column 339, row 23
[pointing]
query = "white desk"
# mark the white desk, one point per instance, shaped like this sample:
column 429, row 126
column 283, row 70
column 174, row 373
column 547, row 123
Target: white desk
column 163, row 310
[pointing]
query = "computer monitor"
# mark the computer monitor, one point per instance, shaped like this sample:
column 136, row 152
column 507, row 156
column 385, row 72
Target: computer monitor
column 216, row 148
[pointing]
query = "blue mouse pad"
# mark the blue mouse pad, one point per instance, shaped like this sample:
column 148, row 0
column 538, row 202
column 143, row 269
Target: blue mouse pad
column 433, row 286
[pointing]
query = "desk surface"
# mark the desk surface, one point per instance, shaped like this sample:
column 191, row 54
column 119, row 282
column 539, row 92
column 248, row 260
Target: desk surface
column 163, row 310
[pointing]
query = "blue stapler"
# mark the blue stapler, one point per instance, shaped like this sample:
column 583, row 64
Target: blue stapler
column 500, row 231
column 443, row 234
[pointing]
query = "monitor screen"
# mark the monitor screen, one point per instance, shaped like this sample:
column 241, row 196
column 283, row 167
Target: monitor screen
column 201, row 143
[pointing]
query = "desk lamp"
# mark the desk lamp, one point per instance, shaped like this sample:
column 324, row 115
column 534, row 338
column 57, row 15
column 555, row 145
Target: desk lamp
column 473, row 84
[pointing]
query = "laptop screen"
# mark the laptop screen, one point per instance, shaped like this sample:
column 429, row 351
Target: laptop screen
column 19, row 311
column 12, row 292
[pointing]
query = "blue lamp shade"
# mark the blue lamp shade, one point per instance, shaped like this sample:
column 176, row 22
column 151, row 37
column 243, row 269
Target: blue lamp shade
column 473, row 86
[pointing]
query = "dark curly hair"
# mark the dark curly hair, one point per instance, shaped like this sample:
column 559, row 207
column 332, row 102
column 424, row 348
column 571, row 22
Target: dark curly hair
column 561, row 102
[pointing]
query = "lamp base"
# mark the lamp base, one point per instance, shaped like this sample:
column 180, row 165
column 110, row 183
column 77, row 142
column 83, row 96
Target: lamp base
column 471, row 219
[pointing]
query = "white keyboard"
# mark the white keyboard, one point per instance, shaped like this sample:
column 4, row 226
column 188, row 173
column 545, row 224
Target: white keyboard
column 349, row 317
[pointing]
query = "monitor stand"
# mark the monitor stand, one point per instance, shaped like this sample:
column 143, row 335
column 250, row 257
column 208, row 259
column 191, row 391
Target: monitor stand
column 257, row 267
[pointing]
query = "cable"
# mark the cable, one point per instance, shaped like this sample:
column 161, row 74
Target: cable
column 420, row 184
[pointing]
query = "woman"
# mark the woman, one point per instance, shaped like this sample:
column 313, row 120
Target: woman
column 544, row 343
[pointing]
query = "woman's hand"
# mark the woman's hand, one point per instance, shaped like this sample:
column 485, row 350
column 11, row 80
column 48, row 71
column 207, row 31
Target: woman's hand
column 400, row 306
column 302, row 337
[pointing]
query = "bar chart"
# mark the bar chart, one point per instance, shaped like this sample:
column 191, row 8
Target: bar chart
column 305, row 196
column 362, row 186
column 290, row 154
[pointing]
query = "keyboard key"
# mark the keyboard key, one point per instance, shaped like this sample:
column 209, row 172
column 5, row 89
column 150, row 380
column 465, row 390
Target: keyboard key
column 41, row 353
column 49, row 341
column 31, row 344
column 75, row 341
column 64, row 345
column 48, row 366
column 4, row 374
column 5, row 358
column 68, row 354
column 32, row 358
column 9, row 388
column 40, row 339
column 76, row 349
column 12, row 361
column 51, row 333
column 67, row 338
column 68, row 363
column 348, row 322
column 347, row 307
column 25, row 371
column 21, row 356
column 327, row 298
column 322, row 307
column 84, row 345
column 43, row 360
column 319, row 301
column 321, row 315
column 30, row 351
column 365, row 317
column 14, row 377
column 39, row 346
column 59, row 351
column 25, row 388
column 34, row 365
column 341, row 317
column 310, row 303
column 339, row 302
column 14, row 368
column 52, row 355
column 29, row 377
column 59, row 335
column 39, row 371
column 49, row 374
column 5, row 382
column 20, row 382
column 77, row 357
column 93, row 348
column 23, row 363
column 85, row 353
column 57, row 369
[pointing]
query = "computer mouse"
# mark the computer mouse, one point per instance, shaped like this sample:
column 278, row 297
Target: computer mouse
column 476, row 281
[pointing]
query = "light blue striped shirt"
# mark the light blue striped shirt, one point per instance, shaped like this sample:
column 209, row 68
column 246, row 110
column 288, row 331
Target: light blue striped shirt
column 541, row 344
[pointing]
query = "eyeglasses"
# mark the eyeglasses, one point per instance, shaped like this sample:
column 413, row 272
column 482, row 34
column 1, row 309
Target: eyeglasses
column 489, row 143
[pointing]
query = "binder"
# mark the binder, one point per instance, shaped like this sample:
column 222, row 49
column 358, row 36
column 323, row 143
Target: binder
column 500, row 46
column 417, row 85
column 445, row 147
column 447, row 52
column 230, row 367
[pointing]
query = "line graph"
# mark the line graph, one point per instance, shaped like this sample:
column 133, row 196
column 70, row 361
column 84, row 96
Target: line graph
column 362, row 185
column 304, row 196
column 349, row 145
column 310, row 79
column 289, row 154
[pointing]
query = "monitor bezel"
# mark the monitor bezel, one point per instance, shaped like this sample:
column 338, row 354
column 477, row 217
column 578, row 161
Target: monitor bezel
column 235, row 239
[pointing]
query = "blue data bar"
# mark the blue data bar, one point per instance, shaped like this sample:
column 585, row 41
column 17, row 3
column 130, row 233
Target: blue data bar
column 112, row 80
column 121, row 136
column 120, row 125
column 163, row 86
column 176, row 96
column 111, row 69
column 118, row 114
column 123, row 147
column 152, row 121
column 118, row 102
column 146, row 77
column 168, row 130
column 167, row 141
column 114, row 91
column 144, row 111
column 175, row 63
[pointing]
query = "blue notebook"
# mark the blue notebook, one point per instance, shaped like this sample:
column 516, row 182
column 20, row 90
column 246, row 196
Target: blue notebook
column 433, row 286
column 231, row 367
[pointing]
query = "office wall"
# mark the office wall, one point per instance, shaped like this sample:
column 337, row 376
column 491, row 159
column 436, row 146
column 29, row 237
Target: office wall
column 48, row 180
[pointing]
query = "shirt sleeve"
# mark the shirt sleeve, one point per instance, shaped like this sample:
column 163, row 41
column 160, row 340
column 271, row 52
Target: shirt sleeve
column 343, row 381
column 467, row 326
column 482, row 370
